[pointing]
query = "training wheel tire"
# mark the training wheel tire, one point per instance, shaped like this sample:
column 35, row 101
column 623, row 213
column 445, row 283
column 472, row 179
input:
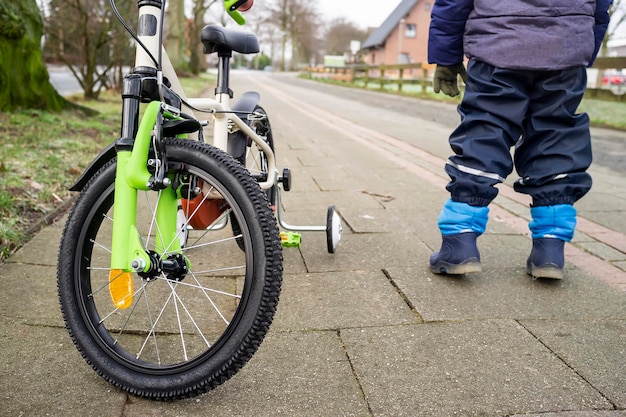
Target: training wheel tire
column 286, row 179
column 333, row 229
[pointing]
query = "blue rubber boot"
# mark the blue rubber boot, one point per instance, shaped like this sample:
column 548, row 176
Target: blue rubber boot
column 460, row 225
column 551, row 227
column 458, row 255
column 547, row 258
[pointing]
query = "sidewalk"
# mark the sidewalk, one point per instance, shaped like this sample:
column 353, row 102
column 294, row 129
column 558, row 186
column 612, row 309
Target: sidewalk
column 368, row 331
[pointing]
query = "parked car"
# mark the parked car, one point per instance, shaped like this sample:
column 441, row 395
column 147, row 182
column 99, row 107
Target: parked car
column 615, row 78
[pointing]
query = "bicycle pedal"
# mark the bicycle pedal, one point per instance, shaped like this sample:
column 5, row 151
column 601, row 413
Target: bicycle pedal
column 290, row 239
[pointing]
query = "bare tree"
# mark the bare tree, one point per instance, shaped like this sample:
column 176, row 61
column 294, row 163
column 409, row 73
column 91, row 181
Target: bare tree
column 339, row 33
column 618, row 17
column 296, row 23
column 121, row 52
column 86, row 37
column 175, row 39
column 283, row 22
column 197, row 63
column 303, row 31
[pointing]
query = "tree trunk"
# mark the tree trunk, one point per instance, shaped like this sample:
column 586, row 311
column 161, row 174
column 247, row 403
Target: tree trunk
column 197, row 59
column 175, row 39
column 24, row 78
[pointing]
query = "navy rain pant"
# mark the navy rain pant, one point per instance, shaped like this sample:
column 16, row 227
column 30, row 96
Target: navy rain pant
column 535, row 111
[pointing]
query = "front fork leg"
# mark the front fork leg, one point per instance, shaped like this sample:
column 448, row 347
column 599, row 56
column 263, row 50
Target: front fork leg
column 128, row 252
column 167, row 241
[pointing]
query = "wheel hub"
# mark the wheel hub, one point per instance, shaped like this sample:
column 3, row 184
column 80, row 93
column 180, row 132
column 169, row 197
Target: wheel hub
column 174, row 267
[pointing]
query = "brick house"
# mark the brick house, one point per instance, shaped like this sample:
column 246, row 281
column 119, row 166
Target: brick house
column 403, row 36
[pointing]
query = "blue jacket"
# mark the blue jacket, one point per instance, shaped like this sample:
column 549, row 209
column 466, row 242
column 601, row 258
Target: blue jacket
column 518, row 34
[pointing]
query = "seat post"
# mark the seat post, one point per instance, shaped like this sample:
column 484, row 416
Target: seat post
column 223, row 71
column 222, row 94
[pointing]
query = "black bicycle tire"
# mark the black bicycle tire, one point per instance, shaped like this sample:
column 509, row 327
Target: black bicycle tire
column 271, row 192
column 258, row 305
column 270, row 142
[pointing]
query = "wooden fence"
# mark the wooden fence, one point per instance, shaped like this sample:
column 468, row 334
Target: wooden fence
column 613, row 94
column 382, row 75
column 421, row 74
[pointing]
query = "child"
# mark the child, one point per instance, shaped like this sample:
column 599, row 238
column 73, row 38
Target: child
column 526, row 76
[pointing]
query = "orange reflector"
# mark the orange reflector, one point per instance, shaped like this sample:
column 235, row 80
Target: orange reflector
column 121, row 288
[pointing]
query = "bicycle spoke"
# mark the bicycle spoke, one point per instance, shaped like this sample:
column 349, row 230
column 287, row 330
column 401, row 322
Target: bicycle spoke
column 116, row 309
column 212, row 271
column 180, row 326
column 190, row 318
column 149, row 314
column 100, row 246
column 153, row 327
column 123, row 328
column 200, row 304
column 200, row 287
column 217, row 310
column 229, row 239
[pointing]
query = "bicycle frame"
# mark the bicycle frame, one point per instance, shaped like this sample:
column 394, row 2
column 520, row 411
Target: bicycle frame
column 132, row 174
column 219, row 107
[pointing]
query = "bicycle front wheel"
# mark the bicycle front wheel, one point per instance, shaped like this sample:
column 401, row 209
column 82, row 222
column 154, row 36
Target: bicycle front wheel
column 189, row 328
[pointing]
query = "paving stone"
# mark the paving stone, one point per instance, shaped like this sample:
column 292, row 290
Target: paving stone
column 29, row 294
column 297, row 374
column 42, row 249
column 340, row 300
column 596, row 349
column 368, row 251
column 42, row 374
column 467, row 368
column 507, row 292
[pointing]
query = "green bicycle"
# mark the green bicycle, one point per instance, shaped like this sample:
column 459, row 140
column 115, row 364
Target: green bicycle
column 170, row 264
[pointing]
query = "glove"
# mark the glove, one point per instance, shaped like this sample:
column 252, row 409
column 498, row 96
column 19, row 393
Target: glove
column 445, row 79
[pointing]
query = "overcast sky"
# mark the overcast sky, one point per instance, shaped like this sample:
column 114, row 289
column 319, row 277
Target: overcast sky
column 364, row 13
column 372, row 13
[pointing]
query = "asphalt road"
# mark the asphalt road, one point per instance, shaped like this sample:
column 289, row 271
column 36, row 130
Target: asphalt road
column 64, row 81
column 609, row 146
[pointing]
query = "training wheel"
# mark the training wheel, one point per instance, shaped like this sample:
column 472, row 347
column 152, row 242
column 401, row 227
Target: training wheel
column 333, row 229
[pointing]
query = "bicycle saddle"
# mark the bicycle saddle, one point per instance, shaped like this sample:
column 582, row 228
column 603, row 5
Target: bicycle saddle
column 220, row 39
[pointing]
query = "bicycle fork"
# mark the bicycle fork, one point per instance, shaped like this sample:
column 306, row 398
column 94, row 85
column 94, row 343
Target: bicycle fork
column 128, row 253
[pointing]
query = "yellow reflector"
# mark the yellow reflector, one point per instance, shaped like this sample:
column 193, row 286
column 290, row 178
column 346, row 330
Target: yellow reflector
column 121, row 288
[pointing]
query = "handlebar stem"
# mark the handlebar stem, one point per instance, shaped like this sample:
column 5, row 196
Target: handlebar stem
column 149, row 32
column 155, row 3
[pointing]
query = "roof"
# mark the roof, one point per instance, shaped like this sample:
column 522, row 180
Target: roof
column 380, row 35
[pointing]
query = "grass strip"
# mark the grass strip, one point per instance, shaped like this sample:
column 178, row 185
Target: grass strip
column 43, row 153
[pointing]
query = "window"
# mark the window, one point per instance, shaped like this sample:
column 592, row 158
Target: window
column 410, row 30
column 403, row 58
